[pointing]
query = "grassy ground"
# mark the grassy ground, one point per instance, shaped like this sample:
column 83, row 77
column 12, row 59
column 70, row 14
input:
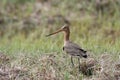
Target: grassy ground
column 23, row 26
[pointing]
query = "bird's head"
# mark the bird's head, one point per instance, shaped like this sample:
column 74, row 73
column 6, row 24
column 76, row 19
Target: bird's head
column 64, row 28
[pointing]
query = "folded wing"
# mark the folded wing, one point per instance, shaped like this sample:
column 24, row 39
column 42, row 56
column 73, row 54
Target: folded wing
column 74, row 50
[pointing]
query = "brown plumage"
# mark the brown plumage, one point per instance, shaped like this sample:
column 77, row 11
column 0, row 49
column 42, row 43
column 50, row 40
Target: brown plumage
column 70, row 47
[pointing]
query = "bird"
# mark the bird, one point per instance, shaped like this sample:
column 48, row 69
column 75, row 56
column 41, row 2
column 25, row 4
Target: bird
column 69, row 47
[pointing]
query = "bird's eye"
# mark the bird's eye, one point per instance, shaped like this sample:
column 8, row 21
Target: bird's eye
column 65, row 28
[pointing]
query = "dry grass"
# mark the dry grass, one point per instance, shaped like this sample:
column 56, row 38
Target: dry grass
column 26, row 54
column 54, row 67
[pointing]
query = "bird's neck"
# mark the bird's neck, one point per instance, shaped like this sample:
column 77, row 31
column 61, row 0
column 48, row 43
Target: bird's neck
column 66, row 35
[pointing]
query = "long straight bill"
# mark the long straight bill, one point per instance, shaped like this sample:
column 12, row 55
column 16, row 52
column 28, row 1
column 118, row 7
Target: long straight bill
column 54, row 32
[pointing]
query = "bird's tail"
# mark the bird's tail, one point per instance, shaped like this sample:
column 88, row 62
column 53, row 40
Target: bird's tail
column 84, row 53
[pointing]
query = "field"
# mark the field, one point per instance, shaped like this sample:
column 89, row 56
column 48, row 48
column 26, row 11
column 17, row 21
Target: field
column 27, row 54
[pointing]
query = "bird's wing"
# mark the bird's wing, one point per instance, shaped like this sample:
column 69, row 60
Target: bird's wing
column 74, row 49
column 74, row 45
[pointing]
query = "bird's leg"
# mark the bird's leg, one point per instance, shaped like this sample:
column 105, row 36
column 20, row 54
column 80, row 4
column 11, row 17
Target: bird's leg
column 79, row 64
column 72, row 61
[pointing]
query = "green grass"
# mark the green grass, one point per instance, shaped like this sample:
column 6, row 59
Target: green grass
column 99, row 35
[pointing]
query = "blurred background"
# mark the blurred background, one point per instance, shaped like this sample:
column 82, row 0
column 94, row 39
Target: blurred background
column 94, row 24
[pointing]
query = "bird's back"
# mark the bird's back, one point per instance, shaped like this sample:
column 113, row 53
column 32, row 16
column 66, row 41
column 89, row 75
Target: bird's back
column 74, row 49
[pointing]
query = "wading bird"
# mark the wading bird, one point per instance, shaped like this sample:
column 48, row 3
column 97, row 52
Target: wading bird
column 70, row 47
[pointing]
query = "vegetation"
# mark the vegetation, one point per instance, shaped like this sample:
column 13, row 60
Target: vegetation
column 94, row 24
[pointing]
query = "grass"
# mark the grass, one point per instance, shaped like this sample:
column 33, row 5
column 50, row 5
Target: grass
column 32, row 54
